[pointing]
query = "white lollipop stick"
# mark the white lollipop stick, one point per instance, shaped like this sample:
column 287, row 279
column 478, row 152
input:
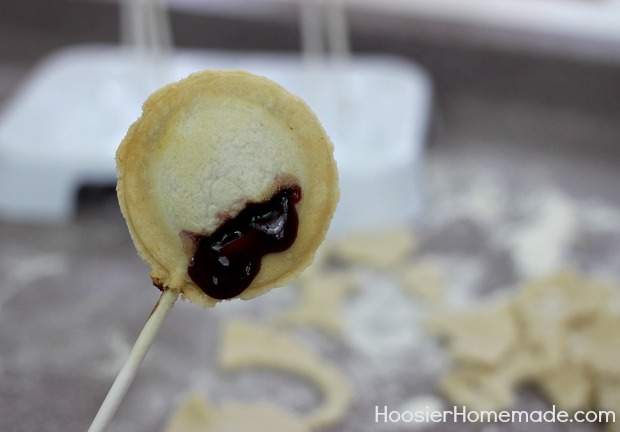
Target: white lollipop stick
column 132, row 364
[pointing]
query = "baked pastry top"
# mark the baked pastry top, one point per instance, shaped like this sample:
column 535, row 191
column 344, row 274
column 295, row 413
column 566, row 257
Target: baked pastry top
column 228, row 185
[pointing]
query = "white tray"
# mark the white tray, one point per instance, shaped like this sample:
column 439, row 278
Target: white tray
column 63, row 126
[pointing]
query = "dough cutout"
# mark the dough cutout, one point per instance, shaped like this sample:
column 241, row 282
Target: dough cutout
column 249, row 344
column 321, row 302
column 479, row 389
column 569, row 387
column 195, row 414
column 482, row 336
column 382, row 249
column 560, row 333
column 424, row 279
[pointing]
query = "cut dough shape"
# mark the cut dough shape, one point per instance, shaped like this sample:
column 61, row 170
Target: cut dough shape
column 569, row 386
column 247, row 345
column 552, row 309
column 607, row 397
column 522, row 364
column 382, row 249
column 424, row 279
column 195, row 414
column 321, row 302
column 479, row 389
column 562, row 334
column 482, row 336
column 602, row 344
column 564, row 298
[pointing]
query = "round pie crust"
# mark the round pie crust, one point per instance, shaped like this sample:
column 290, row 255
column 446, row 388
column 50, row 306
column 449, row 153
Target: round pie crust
column 203, row 149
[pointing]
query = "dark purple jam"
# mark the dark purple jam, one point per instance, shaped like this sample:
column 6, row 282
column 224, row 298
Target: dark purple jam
column 227, row 261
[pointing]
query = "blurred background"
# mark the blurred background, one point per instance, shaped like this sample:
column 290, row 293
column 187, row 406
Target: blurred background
column 486, row 131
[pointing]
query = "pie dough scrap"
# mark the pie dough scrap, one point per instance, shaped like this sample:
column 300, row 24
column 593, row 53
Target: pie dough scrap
column 546, row 340
column 424, row 279
column 493, row 387
column 564, row 298
column 380, row 249
column 322, row 297
column 569, row 386
column 484, row 335
column 522, row 365
column 602, row 344
column 248, row 345
column 551, row 310
column 479, row 389
column 204, row 149
column 195, row 414
column 560, row 333
column 607, row 396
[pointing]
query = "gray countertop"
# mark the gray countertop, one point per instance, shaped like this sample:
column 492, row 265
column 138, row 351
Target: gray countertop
column 75, row 297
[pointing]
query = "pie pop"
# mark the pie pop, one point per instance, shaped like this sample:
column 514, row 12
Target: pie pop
column 228, row 185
